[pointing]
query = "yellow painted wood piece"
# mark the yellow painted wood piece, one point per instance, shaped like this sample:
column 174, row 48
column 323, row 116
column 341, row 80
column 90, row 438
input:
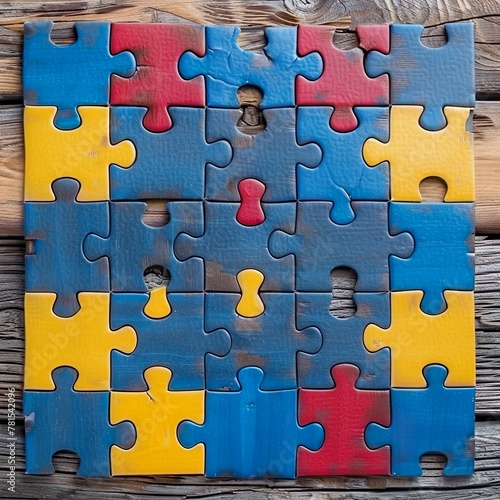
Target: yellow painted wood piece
column 84, row 153
column 417, row 339
column 158, row 305
column 250, row 304
column 83, row 341
column 156, row 415
column 415, row 154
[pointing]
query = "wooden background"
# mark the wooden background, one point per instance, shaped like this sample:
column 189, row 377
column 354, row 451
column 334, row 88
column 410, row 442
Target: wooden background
column 252, row 15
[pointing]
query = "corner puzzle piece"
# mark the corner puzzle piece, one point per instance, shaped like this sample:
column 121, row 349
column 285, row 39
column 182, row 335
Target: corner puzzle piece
column 269, row 341
column 66, row 419
column 418, row 73
column 319, row 245
column 156, row 84
column 72, row 76
column 444, row 250
column 177, row 341
column 250, row 304
column 417, row 339
column 343, row 174
column 250, row 212
column 83, row 341
column 227, row 67
column 227, row 247
column 343, row 340
column 132, row 246
column 57, row 230
column 84, row 153
column 156, row 413
column 343, row 82
column 344, row 413
column 250, row 433
column 271, row 156
column 415, row 153
column 422, row 422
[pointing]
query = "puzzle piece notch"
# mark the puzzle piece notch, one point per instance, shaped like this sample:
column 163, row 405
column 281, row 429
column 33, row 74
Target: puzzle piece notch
column 250, row 212
column 250, row 305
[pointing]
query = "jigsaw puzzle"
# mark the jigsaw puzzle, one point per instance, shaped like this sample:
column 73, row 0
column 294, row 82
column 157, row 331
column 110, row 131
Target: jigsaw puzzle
column 179, row 266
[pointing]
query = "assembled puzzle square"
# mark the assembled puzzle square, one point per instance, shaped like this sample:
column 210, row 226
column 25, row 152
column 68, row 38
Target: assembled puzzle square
column 203, row 340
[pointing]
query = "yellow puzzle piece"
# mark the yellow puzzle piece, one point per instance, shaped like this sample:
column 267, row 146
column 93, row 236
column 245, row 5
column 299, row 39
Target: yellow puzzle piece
column 156, row 415
column 84, row 153
column 414, row 154
column 250, row 304
column 417, row 339
column 158, row 305
column 83, row 341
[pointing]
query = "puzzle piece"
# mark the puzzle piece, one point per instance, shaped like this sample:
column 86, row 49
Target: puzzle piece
column 414, row 154
column 444, row 250
column 250, row 304
column 343, row 340
column 84, row 153
column 343, row 174
column 73, row 76
column 227, row 247
column 436, row 419
column 343, row 82
column 319, row 246
column 158, row 305
column 156, row 413
column 156, row 84
column 56, row 231
column 270, row 156
column 344, row 413
column 227, row 67
column 418, row 73
column 270, row 341
column 233, row 420
column 250, row 212
column 132, row 246
column 177, row 341
column 66, row 419
column 164, row 169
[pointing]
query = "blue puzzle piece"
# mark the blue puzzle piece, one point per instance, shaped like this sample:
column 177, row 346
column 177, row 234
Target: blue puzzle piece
column 444, row 250
column 343, row 340
column 343, row 174
column 227, row 247
column 436, row 419
column 169, row 165
column 227, row 67
column 66, row 419
column 251, row 433
column 57, row 230
column 418, row 74
column 270, row 341
column 319, row 245
column 177, row 342
column 72, row 76
column 270, row 156
column 132, row 246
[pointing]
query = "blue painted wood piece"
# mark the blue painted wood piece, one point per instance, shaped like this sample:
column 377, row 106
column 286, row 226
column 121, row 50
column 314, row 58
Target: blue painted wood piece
column 77, row 421
column 57, row 230
column 319, row 245
column 227, row 67
column 444, row 250
column 437, row 419
column 169, row 165
column 343, row 174
column 71, row 76
column 251, row 433
column 343, row 340
column 431, row 77
column 270, row 341
column 271, row 156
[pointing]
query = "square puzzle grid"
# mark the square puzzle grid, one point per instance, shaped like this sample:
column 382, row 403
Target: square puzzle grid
column 239, row 368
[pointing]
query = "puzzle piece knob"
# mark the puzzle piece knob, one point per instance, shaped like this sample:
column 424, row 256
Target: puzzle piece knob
column 158, row 305
column 250, row 212
column 250, row 304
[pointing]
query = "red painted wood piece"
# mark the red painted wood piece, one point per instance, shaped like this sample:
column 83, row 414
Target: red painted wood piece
column 157, row 83
column 343, row 83
column 250, row 212
column 344, row 412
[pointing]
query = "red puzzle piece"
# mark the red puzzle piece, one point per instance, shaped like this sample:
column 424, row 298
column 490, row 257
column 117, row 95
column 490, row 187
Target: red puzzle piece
column 250, row 212
column 344, row 412
column 157, row 83
column 343, row 83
